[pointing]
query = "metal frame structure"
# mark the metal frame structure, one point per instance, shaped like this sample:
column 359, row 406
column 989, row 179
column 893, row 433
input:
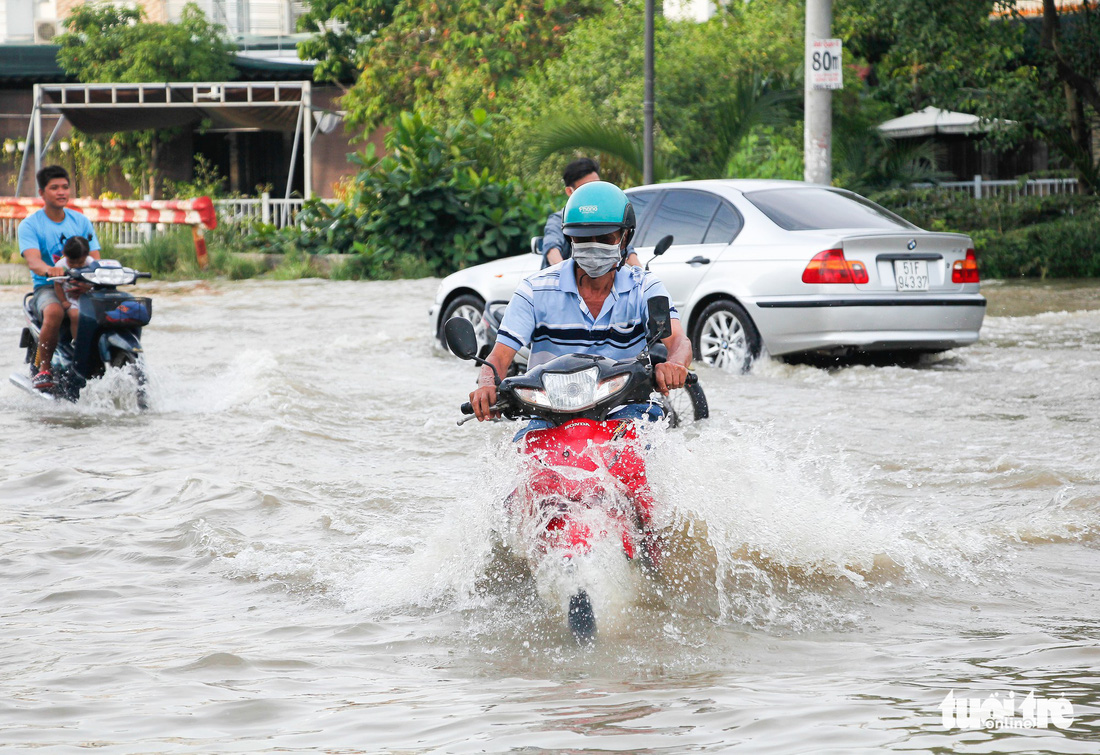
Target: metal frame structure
column 207, row 96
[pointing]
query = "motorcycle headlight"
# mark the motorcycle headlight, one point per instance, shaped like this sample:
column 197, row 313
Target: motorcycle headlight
column 110, row 276
column 572, row 391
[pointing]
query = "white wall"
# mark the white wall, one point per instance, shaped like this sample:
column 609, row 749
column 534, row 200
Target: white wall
column 247, row 17
column 691, row 10
column 17, row 18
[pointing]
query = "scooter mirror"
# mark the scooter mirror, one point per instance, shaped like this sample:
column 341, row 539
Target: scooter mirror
column 660, row 321
column 661, row 248
column 461, row 339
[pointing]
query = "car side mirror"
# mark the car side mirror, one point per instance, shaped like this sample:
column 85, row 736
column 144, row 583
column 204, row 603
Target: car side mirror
column 659, row 326
column 460, row 336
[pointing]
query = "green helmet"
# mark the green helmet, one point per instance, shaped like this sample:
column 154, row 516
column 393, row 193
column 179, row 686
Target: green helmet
column 596, row 208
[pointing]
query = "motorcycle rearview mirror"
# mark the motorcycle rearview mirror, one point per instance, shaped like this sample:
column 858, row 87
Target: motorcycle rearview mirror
column 661, row 248
column 462, row 341
column 659, row 325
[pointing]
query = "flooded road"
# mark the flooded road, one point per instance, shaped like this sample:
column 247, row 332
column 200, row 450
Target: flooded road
column 293, row 551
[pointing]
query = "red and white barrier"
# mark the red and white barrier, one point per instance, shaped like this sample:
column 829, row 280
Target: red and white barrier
column 198, row 213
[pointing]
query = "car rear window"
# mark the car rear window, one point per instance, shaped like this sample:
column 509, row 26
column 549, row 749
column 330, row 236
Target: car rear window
column 809, row 209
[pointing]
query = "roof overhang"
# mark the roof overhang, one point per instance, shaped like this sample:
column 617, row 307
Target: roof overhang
column 933, row 120
column 110, row 108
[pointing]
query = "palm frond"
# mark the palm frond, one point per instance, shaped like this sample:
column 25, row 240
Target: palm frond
column 753, row 101
column 580, row 133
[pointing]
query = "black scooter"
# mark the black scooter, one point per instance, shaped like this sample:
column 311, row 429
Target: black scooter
column 108, row 333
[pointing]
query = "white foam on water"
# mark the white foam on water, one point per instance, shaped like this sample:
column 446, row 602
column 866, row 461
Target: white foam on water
column 253, row 376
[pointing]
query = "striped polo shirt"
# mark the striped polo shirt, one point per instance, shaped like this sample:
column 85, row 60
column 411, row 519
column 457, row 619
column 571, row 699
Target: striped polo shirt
column 548, row 312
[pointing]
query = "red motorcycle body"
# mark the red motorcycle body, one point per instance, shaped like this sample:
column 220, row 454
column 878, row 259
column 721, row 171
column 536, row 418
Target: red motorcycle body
column 575, row 468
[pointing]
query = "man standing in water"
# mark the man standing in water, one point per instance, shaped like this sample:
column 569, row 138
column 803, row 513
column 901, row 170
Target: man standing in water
column 42, row 236
column 589, row 304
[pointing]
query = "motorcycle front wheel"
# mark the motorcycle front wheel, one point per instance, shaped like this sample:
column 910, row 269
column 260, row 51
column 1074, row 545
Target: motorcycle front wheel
column 127, row 360
column 686, row 405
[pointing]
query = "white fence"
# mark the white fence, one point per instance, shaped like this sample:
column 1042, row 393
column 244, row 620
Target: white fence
column 1011, row 189
column 277, row 212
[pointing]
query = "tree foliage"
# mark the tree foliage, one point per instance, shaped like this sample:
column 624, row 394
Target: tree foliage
column 448, row 57
column 749, row 104
column 431, row 198
column 701, row 74
column 106, row 43
column 339, row 27
column 1028, row 77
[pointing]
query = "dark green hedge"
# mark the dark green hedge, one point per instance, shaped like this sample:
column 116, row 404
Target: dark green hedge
column 1034, row 237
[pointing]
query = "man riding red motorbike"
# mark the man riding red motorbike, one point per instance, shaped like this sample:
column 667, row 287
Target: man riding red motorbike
column 588, row 304
column 591, row 323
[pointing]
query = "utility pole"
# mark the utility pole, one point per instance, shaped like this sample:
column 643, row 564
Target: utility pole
column 647, row 103
column 818, row 134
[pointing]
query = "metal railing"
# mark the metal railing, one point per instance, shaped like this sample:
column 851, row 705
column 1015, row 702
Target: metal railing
column 277, row 212
column 1011, row 189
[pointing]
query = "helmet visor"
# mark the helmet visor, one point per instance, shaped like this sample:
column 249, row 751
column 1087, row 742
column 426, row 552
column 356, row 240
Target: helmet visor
column 588, row 231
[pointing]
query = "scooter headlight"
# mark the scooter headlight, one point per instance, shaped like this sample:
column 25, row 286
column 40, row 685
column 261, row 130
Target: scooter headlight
column 572, row 391
column 110, row 276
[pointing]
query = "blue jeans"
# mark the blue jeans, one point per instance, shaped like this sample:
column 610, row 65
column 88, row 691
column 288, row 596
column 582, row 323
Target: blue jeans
column 637, row 412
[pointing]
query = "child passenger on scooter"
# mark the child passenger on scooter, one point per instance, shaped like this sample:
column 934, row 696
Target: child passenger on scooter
column 75, row 254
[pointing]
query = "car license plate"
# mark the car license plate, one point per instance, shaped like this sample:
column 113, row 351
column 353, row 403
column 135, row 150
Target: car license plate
column 911, row 275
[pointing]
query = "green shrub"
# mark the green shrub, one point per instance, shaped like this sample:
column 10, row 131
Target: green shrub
column 9, row 252
column 952, row 210
column 239, row 268
column 428, row 207
column 293, row 267
column 1045, row 237
column 365, row 266
column 1065, row 248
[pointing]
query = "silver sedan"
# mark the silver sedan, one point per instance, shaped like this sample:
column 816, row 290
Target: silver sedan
column 783, row 267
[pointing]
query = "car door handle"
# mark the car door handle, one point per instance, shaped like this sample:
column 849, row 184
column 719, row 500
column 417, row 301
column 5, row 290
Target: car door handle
column 697, row 260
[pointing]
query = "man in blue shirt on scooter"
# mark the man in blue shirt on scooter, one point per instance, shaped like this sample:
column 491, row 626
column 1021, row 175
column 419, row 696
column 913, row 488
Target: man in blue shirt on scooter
column 592, row 303
column 42, row 235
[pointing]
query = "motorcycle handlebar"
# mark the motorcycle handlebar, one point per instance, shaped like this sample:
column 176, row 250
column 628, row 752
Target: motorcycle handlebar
column 469, row 411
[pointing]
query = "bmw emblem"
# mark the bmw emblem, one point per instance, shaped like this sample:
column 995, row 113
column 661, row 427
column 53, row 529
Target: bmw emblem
column 911, row 245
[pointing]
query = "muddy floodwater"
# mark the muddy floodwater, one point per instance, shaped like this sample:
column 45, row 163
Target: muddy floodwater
column 295, row 549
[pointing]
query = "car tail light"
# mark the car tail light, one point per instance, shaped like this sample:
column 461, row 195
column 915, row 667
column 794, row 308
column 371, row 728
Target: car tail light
column 831, row 267
column 966, row 271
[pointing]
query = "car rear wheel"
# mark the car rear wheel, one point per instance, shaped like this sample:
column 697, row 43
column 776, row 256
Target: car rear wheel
column 725, row 337
column 468, row 307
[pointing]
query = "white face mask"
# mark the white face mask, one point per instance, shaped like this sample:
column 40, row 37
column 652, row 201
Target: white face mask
column 596, row 259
